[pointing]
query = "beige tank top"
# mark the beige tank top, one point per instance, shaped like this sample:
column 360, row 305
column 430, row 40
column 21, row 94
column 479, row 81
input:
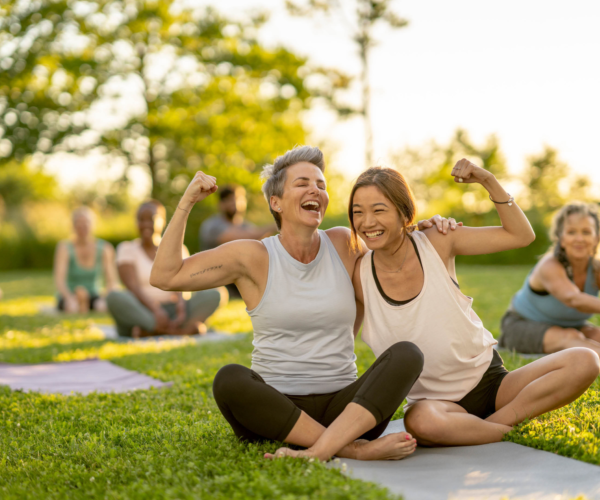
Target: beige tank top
column 440, row 321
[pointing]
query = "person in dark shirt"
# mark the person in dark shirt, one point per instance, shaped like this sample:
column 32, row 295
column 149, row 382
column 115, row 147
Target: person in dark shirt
column 230, row 224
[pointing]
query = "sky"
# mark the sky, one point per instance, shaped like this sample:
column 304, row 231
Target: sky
column 528, row 72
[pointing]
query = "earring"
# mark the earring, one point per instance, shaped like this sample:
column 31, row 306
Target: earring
column 279, row 209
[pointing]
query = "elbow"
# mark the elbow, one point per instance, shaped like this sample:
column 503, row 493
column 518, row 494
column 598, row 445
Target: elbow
column 526, row 240
column 575, row 302
column 158, row 282
column 530, row 238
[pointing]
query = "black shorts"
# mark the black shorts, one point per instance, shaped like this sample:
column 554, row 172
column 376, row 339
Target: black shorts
column 481, row 401
column 93, row 298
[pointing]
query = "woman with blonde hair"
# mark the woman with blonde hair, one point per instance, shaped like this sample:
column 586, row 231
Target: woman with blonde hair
column 550, row 312
column 408, row 287
column 79, row 265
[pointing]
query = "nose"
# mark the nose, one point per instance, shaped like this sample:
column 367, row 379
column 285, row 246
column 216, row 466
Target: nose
column 369, row 220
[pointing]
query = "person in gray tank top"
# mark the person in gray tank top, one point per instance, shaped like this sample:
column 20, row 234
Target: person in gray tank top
column 302, row 388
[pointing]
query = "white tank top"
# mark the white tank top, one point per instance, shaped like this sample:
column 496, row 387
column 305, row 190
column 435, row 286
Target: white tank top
column 303, row 325
column 440, row 321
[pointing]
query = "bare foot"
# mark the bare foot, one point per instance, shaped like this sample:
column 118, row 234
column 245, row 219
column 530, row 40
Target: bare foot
column 287, row 452
column 136, row 332
column 391, row 447
column 83, row 299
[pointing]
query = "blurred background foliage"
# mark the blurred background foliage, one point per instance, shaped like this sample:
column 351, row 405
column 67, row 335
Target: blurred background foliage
column 150, row 85
column 545, row 184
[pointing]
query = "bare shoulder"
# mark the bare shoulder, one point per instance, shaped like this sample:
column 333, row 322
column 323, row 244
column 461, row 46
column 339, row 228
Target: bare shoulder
column 549, row 267
column 339, row 234
column 442, row 242
column 341, row 237
column 249, row 251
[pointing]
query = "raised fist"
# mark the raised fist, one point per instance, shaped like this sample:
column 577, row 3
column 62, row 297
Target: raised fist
column 465, row 171
column 202, row 185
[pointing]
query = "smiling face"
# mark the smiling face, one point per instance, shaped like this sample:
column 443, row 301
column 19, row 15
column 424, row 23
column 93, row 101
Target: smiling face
column 82, row 225
column 305, row 197
column 150, row 222
column 376, row 219
column 579, row 237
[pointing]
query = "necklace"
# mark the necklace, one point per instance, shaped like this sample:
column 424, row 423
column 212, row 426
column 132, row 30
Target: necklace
column 401, row 265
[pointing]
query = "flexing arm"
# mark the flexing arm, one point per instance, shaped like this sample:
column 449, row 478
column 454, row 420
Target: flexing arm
column 210, row 269
column 515, row 231
column 555, row 281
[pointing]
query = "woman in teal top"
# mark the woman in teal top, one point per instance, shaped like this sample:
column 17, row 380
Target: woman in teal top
column 550, row 312
column 79, row 265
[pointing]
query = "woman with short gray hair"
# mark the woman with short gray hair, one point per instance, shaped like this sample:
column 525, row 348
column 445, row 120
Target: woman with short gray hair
column 297, row 286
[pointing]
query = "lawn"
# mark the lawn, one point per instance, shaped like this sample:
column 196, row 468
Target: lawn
column 173, row 443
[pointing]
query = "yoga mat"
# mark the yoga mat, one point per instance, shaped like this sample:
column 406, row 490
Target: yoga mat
column 490, row 472
column 83, row 377
column 110, row 333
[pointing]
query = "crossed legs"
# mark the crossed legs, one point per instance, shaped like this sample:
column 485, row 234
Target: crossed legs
column 544, row 385
column 325, row 424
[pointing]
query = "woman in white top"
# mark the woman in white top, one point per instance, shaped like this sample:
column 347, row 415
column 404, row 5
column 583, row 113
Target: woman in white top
column 302, row 388
column 408, row 288
column 144, row 310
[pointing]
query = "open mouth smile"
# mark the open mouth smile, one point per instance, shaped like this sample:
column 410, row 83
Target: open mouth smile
column 311, row 206
column 373, row 235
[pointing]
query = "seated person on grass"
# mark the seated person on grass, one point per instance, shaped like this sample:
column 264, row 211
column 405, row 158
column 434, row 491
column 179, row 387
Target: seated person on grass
column 144, row 310
column 303, row 387
column 79, row 265
column 230, row 224
column 407, row 284
column 550, row 312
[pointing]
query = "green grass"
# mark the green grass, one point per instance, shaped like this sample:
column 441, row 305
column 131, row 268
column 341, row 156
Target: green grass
column 173, row 443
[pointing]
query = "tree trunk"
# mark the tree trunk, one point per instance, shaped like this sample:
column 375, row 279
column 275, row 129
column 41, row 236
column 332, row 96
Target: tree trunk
column 366, row 101
column 153, row 181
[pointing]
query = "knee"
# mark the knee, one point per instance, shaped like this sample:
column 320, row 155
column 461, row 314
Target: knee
column 573, row 334
column 112, row 299
column 228, row 382
column 424, row 425
column 584, row 364
column 408, row 356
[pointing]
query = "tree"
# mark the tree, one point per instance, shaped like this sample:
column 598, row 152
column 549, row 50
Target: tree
column 203, row 93
column 361, row 23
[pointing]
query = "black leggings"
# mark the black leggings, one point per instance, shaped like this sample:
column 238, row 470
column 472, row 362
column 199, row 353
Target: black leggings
column 256, row 411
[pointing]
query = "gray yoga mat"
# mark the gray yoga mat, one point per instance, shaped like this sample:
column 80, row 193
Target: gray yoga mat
column 490, row 472
column 110, row 333
column 83, row 377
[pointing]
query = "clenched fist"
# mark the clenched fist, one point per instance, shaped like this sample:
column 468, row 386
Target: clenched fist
column 465, row 171
column 202, row 185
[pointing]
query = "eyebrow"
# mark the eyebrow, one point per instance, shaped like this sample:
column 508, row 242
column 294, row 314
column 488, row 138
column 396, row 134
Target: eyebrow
column 373, row 205
column 307, row 179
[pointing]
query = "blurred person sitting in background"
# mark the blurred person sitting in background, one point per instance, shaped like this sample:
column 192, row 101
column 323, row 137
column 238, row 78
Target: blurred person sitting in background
column 144, row 310
column 550, row 312
column 230, row 224
column 79, row 265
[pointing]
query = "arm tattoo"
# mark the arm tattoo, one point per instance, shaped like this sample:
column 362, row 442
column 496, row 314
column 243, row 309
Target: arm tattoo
column 206, row 270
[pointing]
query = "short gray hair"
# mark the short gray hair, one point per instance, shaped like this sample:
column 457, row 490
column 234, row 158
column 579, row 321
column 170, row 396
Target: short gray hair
column 275, row 174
